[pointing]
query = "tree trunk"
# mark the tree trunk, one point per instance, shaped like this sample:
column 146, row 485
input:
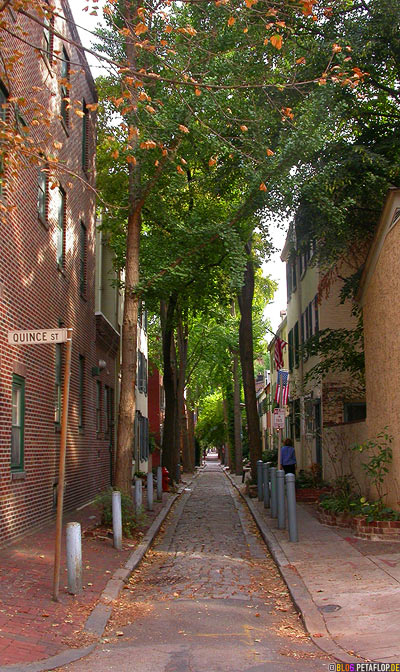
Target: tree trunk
column 182, row 342
column 237, row 416
column 127, row 402
column 169, row 445
column 247, row 361
column 237, row 420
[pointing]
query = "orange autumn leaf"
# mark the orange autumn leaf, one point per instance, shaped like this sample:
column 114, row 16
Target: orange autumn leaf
column 168, row 29
column 183, row 128
column 212, row 162
column 131, row 159
column 266, row 41
column 92, row 106
column 276, row 41
column 197, row 92
column 115, row 154
column 231, row 21
column 300, row 60
column 150, row 109
column 141, row 28
column 245, row 30
column 180, row 170
column 156, row 163
column 244, row 128
column 270, row 152
column 263, row 186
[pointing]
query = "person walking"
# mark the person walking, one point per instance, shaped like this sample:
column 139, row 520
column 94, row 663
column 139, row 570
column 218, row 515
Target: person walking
column 288, row 457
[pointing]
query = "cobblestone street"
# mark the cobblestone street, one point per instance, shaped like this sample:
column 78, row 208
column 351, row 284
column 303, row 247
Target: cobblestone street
column 207, row 597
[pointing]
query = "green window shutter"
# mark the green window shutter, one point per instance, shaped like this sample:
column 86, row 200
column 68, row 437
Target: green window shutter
column 296, row 344
column 18, row 423
column 290, row 345
column 42, row 196
column 61, row 228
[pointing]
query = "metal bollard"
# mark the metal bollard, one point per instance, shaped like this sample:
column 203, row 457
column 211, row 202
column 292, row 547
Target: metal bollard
column 280, row 492
column 260, row 480
column 117, row 519
column 291, row 505
column 274, row 500
column 138, row 495
column 159, row 484
column 150, row 491
column 74, row 558
column 266, row 467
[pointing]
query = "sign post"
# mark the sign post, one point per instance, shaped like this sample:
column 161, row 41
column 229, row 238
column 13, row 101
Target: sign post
column 61, row 467
column 53, row 336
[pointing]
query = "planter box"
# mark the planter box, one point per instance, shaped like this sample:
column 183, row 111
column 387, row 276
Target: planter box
column 376, row 530
column 310, row 494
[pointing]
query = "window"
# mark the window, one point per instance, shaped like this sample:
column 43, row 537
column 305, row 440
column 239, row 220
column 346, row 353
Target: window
column 316, row 317
column 355, row 412
column 42, row 196
column 296, row 344
column 61, row 228
column 82, row 260
column 48, row 36
column 294, row 277
column 65, row 86
column 310, row 320
column 18, row 416
column 98, row 406
column 142, row 373
column 57, row 386
column 85, row 136
column 291, row 353
column 81, row 401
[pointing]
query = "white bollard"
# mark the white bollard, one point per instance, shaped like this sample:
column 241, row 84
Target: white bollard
column 149, row 491
column 117, row 519
column 138, row 495
column 74, row 558
column 159, row 484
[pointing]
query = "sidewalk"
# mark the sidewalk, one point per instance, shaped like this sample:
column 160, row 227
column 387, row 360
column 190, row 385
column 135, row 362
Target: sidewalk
column 32, row 626
column 347, row 589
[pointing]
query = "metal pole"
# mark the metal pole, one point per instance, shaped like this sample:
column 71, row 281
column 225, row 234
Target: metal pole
column 280, row 491
column 61, row 467
column 150, row 491
column 159, row 483
column 74, row 558
column 291, row 505
column 274, row 501
column 138, row 495
column 260, row 480
column 117, row 519
column 266, row 467
column 178, row 473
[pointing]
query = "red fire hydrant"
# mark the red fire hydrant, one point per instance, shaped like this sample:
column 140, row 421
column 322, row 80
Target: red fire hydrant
column 165, row 479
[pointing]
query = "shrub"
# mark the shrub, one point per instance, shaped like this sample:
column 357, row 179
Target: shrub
column 130, row 521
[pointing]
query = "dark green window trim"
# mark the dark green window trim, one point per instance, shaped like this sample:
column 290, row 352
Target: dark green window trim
column 17, row 423
column 3, row 118
column 296, row 344
column 82, row 259
column 61, row 229
column 85, row 131
column 42, row 196
column 65, row 77
column 290, row 346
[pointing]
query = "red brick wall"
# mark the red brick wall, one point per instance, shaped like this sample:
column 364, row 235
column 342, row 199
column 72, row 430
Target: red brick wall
column 35, row 294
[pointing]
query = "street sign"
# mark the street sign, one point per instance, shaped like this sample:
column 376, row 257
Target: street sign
column 279, row 418
column 38, row 336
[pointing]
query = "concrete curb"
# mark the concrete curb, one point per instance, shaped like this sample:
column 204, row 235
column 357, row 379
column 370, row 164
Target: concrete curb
column 302, row 599
column 100, row 614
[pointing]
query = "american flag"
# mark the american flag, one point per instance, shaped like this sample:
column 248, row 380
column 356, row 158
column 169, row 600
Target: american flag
column 278, row 355
column 282, row 383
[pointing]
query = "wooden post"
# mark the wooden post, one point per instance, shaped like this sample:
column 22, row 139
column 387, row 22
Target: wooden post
column 61, row 470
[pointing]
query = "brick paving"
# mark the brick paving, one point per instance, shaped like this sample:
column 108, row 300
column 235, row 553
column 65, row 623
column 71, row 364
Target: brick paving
column 32, row 625
column 207, row 598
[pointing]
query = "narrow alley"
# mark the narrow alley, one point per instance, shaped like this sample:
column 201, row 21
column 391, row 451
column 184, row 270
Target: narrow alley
column 208, row 597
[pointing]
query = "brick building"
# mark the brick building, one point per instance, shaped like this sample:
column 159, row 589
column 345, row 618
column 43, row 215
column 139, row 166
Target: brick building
column 47, row 280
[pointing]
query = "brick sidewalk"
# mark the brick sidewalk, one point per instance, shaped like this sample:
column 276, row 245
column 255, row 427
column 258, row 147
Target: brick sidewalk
column 32, row 626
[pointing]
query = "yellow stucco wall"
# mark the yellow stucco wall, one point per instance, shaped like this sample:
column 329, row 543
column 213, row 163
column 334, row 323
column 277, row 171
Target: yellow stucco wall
column 381, row 313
